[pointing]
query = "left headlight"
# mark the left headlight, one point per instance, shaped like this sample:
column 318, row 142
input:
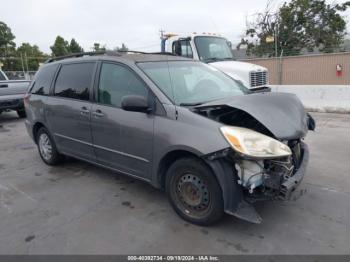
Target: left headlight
column 254, row 144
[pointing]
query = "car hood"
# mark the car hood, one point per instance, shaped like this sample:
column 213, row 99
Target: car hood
column 282, row 114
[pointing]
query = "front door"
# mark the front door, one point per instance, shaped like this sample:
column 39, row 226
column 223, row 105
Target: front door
column 68, row 110
column 122, row 140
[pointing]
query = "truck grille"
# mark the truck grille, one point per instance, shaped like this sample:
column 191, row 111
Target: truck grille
column 258, row 78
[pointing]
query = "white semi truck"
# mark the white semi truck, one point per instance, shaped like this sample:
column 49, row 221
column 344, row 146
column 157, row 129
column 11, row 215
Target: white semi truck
column 216, row 50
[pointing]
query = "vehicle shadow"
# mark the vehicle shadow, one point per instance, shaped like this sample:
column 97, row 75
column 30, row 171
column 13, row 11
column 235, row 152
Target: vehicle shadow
column 8, row 117
column 146, row 193
column 75, row 167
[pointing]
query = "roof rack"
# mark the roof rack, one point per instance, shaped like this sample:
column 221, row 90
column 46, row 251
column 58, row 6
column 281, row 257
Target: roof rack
column 106, row 52
column 145, row 53
column 131, row 51
column 162, row 53
column 76, row 55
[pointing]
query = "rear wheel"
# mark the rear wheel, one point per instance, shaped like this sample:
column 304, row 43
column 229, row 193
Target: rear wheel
column 21, row 113
column 47, row 148
column 194, row 191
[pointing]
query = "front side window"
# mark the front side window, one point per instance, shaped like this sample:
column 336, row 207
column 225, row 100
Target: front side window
column 117, row 81
column 212, row 48
column 42, row 81
column 182, row 48
column 74, row 81
column 187, row 82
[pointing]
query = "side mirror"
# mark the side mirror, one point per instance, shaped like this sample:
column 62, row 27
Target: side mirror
column 229, row 43
column 135, row 103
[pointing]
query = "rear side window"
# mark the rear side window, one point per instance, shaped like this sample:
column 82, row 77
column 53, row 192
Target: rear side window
column 117, row 81
column 74, row 81
column 42, row 82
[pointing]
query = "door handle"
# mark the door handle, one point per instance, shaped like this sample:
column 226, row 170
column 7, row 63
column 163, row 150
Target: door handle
column 84, row 111
column 98, row 113
column 4, row 86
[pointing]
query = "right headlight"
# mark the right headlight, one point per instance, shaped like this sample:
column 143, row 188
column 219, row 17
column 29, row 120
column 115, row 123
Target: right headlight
column 254, row 144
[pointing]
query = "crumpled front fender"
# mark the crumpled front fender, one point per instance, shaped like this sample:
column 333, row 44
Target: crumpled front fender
column 234, row 203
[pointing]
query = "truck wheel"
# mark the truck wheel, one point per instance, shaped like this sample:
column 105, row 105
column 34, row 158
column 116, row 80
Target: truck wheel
column 47, row 148
column 21, row 113
column 194, row 192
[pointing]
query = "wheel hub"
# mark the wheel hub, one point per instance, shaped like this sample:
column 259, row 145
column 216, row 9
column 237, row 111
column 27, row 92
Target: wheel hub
column 45, row 146
column 193, row 192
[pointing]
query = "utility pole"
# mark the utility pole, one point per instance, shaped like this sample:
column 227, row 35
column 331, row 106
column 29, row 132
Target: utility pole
column 276, row 39
column 161, row 33
column 22, row 64
column 26, row 60
column 278, row 63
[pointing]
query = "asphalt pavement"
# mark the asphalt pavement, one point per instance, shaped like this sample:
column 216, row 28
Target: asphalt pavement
column 78, row 208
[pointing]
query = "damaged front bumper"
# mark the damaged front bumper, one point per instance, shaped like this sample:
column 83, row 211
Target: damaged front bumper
column 290, row 184
column 274, row 185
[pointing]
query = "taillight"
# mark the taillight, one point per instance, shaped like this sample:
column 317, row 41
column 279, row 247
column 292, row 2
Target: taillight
column 26, row 99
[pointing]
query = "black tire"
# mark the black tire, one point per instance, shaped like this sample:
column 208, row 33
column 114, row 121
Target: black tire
column 194, row 192
column 54, row 158
column 21, row 113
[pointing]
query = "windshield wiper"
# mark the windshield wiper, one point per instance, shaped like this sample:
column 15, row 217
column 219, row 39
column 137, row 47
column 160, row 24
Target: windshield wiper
column 216, row 59
column 191, row 104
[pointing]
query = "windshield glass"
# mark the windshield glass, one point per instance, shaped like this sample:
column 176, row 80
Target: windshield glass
column 190, row 83
column 212, row 48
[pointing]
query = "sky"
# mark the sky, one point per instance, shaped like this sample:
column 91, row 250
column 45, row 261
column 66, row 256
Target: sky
column 135, row 23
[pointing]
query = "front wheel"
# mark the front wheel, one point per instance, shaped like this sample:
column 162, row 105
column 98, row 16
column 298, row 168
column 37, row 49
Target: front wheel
column 47, row 148
column 194, row 191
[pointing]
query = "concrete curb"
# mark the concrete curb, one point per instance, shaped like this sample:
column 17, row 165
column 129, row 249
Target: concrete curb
column 328, row 110
column 320, row 98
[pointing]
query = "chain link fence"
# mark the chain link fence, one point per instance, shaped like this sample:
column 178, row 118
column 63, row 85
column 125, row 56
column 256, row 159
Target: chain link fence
column 315, row 69
column 21, row 68
column 20, row 75
column 243, row 53
column 288, row 68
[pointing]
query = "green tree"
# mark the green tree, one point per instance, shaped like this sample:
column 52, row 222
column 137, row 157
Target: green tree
column 97, row 47
column 74, row 47
column 123, row 48
column 60, row 47
column 298, row 25
column 6, row 39
column 7, row 47
column 31, row 55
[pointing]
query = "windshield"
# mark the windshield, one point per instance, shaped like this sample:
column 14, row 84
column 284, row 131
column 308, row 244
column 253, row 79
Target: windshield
column 211, row 48
column 191, row 83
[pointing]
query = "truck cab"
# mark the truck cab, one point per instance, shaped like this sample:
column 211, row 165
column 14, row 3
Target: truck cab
column 11, row 94
column 216, row 51
column 3, row 76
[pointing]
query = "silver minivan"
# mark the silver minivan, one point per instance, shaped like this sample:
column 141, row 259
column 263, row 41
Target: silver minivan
column 178, row 124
